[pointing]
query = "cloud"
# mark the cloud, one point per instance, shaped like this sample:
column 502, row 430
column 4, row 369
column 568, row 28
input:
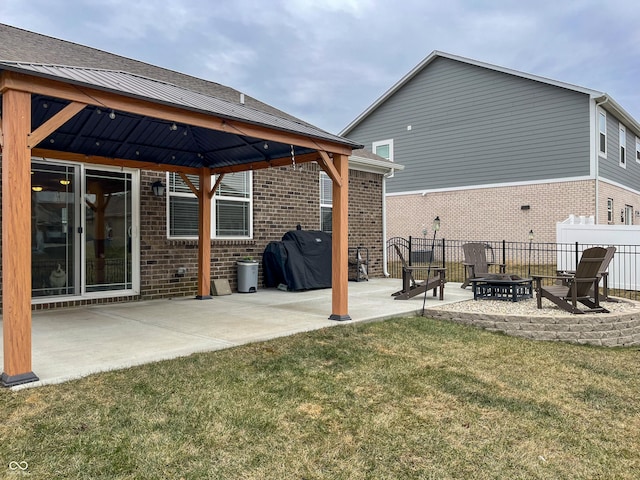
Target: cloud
column 327, row 60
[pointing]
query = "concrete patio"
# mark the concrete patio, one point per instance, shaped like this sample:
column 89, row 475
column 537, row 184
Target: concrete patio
column 71, row 343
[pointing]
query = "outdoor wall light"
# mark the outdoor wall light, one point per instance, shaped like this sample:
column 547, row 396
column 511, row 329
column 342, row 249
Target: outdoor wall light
column 158, row 188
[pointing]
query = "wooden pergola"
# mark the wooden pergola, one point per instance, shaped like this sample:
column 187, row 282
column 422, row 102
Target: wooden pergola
column 25, row 133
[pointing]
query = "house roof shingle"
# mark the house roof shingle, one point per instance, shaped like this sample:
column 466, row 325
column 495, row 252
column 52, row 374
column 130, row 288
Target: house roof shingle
column 144, row 138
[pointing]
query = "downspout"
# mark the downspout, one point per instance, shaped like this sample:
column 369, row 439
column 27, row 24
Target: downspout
column 384, row 224
column 596, row 152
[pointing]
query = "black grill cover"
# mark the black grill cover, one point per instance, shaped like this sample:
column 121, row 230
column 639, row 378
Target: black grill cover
column 301, row 261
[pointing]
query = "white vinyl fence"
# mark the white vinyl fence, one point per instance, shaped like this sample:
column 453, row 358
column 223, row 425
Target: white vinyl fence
column 624, row 270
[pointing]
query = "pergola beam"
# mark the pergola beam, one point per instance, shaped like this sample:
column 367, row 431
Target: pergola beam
column 165, row 167
column 16, row 239
column 190, row 184
column 327, row 165
column 147, row 108
column 340, row 241
column 204, row 236
column 51, row 125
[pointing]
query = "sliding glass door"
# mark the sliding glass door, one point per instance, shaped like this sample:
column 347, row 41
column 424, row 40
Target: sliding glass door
column 83, row 230
column 54, row 217
column 108, row 230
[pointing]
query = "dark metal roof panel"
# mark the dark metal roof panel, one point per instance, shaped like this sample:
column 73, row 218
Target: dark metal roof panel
column 165, row 93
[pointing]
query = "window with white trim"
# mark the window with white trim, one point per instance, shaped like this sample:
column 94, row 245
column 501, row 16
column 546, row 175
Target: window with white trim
column 610, row 211
column 326, row 202
column 623, row 145
column 602, row 130
column 637, row 149
column 231, row 208
column 384, row 148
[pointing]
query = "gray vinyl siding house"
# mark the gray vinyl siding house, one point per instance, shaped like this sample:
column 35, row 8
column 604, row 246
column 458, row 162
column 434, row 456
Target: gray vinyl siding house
column 496, row 153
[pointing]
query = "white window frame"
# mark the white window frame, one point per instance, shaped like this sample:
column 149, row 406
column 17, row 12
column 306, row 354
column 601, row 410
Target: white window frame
column 610, row 219
column 637, row 149
column 602, row 115
column 214, row 199
column 622, row 138
column 323, row 203
column 389, row 142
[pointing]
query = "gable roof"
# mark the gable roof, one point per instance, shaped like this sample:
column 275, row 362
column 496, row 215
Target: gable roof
column 142, row 137
column 600, row 97
column 19, row 45
column 137, row 86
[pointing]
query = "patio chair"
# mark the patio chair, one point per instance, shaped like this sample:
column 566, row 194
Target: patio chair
column 581, row 287
column 411, row 288
column 475, row 262
column 603, row 273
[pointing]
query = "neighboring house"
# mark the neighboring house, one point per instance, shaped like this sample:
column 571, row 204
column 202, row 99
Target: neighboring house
column 496, row 152
column 123, row 181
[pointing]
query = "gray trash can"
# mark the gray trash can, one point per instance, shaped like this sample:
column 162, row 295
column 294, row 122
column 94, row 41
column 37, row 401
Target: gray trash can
column 247, row 276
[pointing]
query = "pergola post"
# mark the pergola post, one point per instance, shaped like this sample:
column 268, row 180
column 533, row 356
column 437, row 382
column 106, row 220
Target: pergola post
column 204, row 236
column 16, row 238
column 340, row 241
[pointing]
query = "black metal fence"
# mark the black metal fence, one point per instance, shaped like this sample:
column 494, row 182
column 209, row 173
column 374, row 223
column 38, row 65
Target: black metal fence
column 521, row 258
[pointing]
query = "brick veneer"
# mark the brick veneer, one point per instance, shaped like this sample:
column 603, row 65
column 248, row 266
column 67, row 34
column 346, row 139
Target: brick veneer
column 492, row 213
column 282, row 199
column 621, row 197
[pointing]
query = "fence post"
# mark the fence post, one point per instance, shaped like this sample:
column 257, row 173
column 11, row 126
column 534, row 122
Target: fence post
column 443, row 253
column 504, row 252
column 410, row 245
column 577, row 260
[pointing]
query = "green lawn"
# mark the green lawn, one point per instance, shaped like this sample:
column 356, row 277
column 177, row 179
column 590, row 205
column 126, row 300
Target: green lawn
column 408, row 398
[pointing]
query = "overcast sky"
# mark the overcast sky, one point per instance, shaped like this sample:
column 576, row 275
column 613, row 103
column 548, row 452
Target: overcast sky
column 325, row 61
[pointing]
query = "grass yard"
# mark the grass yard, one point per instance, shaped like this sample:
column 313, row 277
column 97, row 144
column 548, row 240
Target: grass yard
column 408, row 398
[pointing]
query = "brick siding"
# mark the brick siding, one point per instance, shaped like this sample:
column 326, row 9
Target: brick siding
column 621, row 197
column 282, row 199
column 492, row 213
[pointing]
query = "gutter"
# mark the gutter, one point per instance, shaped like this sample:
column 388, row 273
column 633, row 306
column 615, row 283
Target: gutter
column 596, row 133
column 385, row 168
column 385, row 272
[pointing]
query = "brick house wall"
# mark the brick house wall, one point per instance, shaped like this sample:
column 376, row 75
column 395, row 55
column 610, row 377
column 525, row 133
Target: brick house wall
column 282, row 199
column 621, row 197
column 492, row 213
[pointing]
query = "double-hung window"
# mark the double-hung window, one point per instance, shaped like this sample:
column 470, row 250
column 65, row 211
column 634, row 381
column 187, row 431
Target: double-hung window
column 384, row 148
column 610, row 211
column 623, row 145
column 326, row 202
column 602, row 133
column 637, row 149
column 231, row 209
